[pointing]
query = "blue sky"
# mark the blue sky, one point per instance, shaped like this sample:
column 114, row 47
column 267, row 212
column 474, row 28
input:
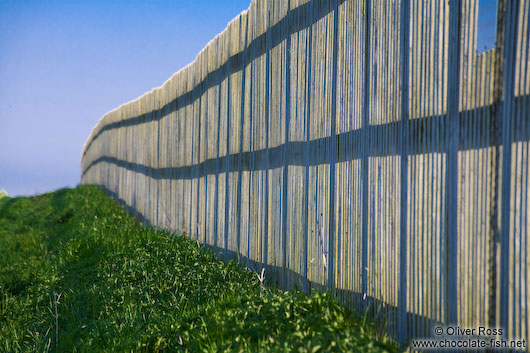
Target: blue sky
column 63, row 64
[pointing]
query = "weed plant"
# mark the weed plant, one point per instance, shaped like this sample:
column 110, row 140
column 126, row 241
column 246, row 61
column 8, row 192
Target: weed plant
column 80, row 274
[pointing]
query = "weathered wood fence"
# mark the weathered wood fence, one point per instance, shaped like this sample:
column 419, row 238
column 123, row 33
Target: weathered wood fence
column 360, row 146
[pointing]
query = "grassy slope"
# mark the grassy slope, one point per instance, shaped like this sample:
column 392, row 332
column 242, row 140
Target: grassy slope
column 124, row 287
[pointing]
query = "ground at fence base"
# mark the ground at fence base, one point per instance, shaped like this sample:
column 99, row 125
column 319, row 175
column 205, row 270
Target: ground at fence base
column 77, row 272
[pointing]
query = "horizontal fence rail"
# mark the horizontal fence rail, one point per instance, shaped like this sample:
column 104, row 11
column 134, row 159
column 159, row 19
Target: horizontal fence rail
column 358, row 146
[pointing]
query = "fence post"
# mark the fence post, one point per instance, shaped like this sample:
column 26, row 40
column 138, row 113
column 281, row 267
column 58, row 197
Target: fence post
column 364, row 148
column 333, row 152
column 496, row 114
column 286, row 150
column 510, row 45
column 404, row 87
column 452, row 141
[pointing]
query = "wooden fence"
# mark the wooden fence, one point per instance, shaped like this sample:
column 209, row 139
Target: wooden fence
column 358, row 146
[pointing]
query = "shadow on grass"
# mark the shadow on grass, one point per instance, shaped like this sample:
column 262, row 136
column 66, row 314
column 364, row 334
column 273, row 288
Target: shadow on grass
column 384, row 315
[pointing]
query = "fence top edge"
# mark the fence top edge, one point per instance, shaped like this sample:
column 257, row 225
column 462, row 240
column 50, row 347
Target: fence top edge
column 101, row 121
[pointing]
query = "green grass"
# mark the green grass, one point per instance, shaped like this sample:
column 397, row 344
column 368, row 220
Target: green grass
column 118, row 286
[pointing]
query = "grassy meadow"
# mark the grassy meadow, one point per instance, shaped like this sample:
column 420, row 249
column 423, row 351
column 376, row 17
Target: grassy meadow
column 80, row 274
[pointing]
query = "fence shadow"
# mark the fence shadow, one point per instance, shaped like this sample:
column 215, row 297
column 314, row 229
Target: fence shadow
column 384, row 315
